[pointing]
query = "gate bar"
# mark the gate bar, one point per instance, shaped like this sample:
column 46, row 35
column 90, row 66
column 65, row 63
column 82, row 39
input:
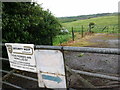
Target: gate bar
column 19, row 75
column 85, row 82
column 81, row 49
column 7, row 75
column 97, row 75
column 15, row 86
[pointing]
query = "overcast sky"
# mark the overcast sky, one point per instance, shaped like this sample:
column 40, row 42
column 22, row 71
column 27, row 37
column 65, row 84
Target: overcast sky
column 61, row 8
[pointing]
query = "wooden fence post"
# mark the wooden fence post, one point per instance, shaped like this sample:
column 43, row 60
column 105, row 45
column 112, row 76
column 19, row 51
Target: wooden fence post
column 113, row 30
column 73, row 34
column 82, row 32
column 107, row 29
column 104, row 28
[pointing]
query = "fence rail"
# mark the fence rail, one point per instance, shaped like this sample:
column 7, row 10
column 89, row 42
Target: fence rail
column 66, row 48
column 82, row 49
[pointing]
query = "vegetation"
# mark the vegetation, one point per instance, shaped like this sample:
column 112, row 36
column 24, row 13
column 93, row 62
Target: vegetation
column 104, row 24
column 110, row 22
column 26, row 22
column 82, row 17
column 62, row 38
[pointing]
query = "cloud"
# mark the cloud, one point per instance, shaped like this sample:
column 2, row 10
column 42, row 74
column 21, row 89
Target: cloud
column 79, row 7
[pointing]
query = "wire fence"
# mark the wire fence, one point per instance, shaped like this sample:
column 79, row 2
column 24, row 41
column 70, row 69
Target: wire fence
column 82, row 31
column 96, row 29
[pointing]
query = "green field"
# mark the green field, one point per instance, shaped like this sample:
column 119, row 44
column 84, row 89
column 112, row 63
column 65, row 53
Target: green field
column 104, row 24
column 100, row 22
column 61, row 38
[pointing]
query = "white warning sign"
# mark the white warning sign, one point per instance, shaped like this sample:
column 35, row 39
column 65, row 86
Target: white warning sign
column 50, row 68
column 21, row 56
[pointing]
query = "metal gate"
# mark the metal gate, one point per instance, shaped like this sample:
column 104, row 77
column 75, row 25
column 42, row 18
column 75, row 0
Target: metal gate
column 17, row 73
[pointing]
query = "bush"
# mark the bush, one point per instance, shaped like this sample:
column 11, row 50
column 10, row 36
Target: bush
column 26, row 22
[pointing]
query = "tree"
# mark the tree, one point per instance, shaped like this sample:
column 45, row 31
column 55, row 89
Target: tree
column 26, row 22
column 91, row 25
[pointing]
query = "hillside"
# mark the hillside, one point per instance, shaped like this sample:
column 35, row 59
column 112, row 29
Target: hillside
column 101, row 22
column 81, row 17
